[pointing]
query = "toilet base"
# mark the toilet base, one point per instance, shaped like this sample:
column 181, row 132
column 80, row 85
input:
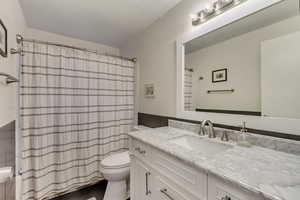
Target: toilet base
column 116, row 190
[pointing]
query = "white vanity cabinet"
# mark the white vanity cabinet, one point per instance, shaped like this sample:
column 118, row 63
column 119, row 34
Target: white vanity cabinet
column 141, row 177
column 156, row 175
column 141, row 180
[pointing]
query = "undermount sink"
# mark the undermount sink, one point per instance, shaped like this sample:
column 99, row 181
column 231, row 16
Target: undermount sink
column 202, row 145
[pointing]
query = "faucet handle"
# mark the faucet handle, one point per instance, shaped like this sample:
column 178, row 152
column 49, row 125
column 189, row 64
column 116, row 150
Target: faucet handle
column 210, row 132
column 202, row 130
column 224, row 136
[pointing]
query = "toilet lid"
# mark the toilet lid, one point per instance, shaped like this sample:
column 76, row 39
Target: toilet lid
column 116, row 160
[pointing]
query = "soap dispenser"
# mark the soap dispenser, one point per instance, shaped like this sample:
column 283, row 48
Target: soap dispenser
column 242, row 136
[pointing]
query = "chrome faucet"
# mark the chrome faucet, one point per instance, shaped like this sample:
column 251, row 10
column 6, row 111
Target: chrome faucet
column 211, row 132
column 243, row 128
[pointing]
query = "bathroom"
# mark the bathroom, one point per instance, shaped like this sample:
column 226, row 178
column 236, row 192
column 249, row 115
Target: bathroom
column 172, row 100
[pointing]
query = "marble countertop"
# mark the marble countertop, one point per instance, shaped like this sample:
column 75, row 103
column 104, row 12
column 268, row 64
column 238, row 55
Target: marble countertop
column 274, row 175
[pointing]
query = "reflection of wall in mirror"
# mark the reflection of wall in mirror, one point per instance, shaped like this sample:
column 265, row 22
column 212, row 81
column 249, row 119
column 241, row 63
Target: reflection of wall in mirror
column 243, row 75
column 280, row 76
column 241, row 55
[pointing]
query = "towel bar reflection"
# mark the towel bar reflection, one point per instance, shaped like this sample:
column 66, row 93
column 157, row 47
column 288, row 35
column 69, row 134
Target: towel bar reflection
column 9, row 79
column 219, row 91
column 16, row 51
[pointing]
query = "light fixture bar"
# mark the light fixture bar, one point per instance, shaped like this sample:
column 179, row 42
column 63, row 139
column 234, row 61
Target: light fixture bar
column 216, row 8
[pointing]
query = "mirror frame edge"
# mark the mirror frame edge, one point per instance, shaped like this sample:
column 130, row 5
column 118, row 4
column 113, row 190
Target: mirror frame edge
column 276, row 124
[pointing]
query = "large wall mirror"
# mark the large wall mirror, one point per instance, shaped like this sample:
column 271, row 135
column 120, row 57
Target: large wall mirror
column 247, row 66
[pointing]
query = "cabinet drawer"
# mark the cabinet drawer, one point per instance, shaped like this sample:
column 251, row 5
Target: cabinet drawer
column 194, row 181
column 140, row 150
column 218, row 189
column 165, row 190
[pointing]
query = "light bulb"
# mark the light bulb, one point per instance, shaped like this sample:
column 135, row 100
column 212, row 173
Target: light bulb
column 193, row 17
column 209, row 8
column 226, row 2
column 236, row 2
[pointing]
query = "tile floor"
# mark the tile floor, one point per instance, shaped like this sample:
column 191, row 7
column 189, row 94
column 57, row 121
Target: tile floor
column 97, row 191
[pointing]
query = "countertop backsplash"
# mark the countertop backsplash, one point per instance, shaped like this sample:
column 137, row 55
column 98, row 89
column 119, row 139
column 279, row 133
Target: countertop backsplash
column 278, row 144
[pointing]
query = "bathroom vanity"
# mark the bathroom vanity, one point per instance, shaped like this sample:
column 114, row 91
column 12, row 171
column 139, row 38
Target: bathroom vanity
column 174, row 164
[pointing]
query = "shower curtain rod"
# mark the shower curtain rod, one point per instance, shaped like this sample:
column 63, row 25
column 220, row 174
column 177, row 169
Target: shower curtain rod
column 20, row 39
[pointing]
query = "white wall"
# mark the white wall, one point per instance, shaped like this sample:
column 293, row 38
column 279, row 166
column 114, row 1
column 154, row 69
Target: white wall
column 241, row 56
column 155, row 49
column 12, row 16
column 31, row 33
column 280, row 76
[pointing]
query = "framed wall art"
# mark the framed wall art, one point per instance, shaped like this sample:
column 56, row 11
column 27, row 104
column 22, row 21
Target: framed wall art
column 149, row 91
column 219, row 75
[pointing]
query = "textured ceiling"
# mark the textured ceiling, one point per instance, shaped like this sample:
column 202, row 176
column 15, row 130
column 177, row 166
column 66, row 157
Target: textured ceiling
column 109, row 22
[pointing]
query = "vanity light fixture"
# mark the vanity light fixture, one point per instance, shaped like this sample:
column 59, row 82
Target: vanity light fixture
column 236, row 2
column 194, row 17
column 213, row 10
column 206, row 13
column 222, row 5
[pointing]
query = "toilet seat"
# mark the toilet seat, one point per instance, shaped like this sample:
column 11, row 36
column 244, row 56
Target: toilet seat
column 116, row 169
column 116, row 161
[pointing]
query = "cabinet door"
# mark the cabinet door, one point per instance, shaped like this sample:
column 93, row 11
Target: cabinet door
column 166, row 190
column 219, row 189
column 141, row 180
column 191, row 180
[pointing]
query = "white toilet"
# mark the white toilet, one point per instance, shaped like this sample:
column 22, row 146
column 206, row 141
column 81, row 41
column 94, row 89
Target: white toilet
column 115, row 169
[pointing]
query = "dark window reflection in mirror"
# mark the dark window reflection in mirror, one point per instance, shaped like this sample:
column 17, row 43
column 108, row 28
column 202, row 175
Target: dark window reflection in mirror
column 249, row 67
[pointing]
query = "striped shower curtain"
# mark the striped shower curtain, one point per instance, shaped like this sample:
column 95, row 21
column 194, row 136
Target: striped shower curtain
column 188, row 89
column 76, row 108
